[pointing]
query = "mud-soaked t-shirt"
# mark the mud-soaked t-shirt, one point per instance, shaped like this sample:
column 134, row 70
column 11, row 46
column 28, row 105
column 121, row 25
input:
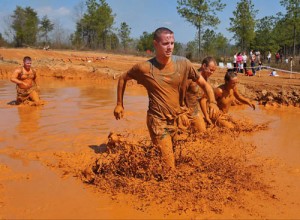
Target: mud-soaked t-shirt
column 193, row 94
column 192, row 97
column 165, row 84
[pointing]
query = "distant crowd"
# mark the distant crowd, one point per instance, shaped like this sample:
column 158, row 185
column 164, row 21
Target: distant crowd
column 240, row 60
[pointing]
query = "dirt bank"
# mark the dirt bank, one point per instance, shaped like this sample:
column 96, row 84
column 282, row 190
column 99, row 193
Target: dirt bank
column 274, row 91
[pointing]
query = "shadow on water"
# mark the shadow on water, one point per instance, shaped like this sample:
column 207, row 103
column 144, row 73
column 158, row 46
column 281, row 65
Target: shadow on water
column 13, row 102
column 98, row 149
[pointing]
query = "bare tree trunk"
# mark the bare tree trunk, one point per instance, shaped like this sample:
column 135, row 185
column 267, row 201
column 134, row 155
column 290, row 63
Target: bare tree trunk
column 294, row 41
column 199, row 42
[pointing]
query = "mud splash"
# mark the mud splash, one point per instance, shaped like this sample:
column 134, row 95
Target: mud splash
column 214, row 171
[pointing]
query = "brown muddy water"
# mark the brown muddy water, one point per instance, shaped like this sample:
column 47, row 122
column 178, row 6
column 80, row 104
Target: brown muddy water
column 75, row 114
column 79, row 115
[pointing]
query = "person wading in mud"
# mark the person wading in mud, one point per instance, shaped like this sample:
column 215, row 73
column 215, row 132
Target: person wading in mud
column 226, row 94
column 193, row 96
column 25, row 80
column 165, row 77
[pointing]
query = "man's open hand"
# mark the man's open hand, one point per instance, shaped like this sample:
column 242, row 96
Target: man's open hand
column 213, row 110
column 119, row 112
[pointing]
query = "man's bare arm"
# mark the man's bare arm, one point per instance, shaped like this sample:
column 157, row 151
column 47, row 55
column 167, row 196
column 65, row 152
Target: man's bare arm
column 14, row 78
column 203, row 106
column 119, row 109
column 35, row 78
column 242, row 99
column 207, row 89
column 214, row 110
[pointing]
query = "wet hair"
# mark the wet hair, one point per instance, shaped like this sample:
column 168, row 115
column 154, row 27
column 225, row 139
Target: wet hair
column 207, row 60
column 230, row 74
column 159, row 31
column 26, row 58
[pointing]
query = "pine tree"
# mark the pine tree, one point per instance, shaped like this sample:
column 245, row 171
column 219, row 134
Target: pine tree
column 242, row 25
column 201, row 13
column 25, row 26
column 124, row 34
column 46, row 26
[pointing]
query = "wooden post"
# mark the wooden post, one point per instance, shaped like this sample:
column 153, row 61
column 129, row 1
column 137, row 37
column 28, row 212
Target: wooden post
column 291, row 60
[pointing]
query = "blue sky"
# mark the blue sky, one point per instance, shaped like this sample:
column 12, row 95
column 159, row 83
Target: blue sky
column 140, row 15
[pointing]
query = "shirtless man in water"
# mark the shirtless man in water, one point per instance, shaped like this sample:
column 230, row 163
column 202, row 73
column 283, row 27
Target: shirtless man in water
column 225, row 95
column 25, row 79
column 165, row 77
column 193, row 95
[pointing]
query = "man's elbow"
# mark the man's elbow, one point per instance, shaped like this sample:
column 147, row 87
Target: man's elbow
column 123, row 77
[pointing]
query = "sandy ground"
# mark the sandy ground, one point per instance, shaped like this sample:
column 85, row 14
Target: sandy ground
column 221, row 174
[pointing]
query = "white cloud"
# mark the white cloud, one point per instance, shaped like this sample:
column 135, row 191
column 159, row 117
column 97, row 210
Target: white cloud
column 61, row 16
column 53, row 13
column 63, row 11
column 168, row 23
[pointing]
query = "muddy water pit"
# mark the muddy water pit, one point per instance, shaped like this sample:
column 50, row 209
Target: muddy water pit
column 54, row 161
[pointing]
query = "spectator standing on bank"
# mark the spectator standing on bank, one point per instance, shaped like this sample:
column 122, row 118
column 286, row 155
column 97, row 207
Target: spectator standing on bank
column 277, row 57
column 245, row 58
column 269, row 57
column 239, row 61
column 234, row 62
column 257, row 54
column 252, row 63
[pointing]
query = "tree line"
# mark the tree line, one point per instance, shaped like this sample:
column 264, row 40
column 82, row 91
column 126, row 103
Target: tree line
column 95, row 30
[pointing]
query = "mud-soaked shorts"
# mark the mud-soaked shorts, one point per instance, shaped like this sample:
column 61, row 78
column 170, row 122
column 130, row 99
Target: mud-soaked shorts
column 23, row 94
column 194, row 113
column 159, row 128
column 195, row 118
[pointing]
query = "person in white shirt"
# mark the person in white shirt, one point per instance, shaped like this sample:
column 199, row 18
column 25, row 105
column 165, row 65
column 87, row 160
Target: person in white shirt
column 234, row 61
column 269, row 56
column 245, row 58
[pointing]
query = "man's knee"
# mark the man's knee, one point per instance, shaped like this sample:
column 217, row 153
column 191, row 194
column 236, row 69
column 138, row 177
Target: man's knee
column 198, row 124
column 34, row 96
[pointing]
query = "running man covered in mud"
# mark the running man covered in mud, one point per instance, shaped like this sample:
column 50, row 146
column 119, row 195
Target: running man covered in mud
column 25, row 79
column 225, row 95
column 193, row 95
column 165, row 77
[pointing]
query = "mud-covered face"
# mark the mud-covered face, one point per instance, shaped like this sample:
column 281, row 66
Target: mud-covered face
column 209, row 70
column 233, row 82
column 27, row 64
column 165, row 45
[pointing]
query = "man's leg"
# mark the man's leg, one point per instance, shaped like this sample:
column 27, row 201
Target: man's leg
column 35, row 98
column 225, row 121
column 198, row 124
column 166, row 147
column 245, row 68
column 161, row 138
column 253, row 69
